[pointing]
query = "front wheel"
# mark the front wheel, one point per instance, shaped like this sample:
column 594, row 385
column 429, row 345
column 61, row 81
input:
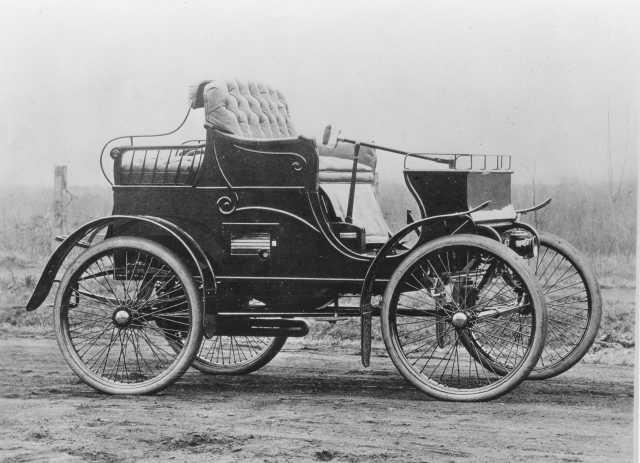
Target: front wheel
column 449, row 290
column 128, row 316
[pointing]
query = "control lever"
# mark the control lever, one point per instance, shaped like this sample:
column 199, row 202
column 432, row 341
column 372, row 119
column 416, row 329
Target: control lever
column 352, row 187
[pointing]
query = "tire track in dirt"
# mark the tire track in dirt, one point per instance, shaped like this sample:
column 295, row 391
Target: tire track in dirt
column 308, row 405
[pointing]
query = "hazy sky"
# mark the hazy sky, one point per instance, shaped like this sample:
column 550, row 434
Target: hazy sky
column 533, row 79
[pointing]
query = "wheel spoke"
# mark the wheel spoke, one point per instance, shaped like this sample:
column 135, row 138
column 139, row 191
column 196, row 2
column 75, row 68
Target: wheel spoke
column 124, row 308
column 438, row 338
column 570, row 306
column 234, row 354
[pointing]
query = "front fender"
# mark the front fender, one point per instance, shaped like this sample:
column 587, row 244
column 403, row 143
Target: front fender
column 196, row 253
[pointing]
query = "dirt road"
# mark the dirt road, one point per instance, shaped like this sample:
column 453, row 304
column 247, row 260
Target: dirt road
column 314, row 404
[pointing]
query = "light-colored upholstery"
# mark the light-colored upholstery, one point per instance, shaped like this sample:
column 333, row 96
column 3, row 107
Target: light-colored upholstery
column 339, row 170
column 366, row 209
column 366, row 156
column 336, row 163
column 251, row 109
column 255, row 110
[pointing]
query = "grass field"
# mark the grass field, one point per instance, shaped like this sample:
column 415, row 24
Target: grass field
column 599, row 222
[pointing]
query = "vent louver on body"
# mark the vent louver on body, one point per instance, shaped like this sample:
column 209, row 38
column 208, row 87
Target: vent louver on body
column 250, row 244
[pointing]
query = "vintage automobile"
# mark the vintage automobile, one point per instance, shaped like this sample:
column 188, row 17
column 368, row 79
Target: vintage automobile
column 219, row 249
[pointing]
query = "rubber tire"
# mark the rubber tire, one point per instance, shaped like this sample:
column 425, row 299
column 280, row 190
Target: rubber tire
column 185, row 357
column 509, row 381
column 593, row 289
column 256, row 364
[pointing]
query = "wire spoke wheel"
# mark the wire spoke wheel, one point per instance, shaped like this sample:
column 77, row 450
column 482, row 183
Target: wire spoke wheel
column 235, row 355
column 573, row 301
column 128, row 316
column 463, row 318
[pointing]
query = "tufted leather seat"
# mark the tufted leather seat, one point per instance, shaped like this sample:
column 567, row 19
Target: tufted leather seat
column 255, row 110
column 251, row 110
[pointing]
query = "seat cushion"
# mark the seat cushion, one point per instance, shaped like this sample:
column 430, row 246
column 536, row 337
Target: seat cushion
column 335, row 168
column 336, row 163
column 366, row 156
column 366, row 209
column 339, row 170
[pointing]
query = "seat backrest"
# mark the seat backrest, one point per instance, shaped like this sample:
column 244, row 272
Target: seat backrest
column 245, row 109
column 255, row 110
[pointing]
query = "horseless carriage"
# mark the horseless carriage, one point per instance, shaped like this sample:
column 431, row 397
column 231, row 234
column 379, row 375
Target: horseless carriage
column 219, row 249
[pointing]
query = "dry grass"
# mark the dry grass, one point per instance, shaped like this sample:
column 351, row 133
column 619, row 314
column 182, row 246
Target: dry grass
column 26, row 231
column 598, row 221
column 26, row 241
column 616, row 270
column 589, row 216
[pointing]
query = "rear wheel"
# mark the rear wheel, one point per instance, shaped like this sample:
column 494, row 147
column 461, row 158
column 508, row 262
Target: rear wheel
column 448, row 290
column 574, row 305
column 236, row 355
column 574, row 308
column 128, row 316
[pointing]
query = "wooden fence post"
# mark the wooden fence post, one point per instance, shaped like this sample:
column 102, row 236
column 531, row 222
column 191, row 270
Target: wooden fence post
column 59, row 188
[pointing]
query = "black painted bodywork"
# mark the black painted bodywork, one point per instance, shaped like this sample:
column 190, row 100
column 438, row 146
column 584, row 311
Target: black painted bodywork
column 445, row 191
column 266, row 191
column 249, row 217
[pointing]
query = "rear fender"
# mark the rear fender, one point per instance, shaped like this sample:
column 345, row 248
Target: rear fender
column 197, row 255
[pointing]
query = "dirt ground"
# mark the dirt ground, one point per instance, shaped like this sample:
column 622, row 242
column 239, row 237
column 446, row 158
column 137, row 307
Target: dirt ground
column 309, row 404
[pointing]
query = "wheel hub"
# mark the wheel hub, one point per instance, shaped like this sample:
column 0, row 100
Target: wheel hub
column 459, row 319
column 121, row 317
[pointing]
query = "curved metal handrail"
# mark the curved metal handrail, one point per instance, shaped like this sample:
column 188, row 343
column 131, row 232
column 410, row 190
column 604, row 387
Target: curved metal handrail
column 131, row 137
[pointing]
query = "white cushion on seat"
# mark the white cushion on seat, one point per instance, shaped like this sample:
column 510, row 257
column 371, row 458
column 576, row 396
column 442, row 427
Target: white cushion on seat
column 335, row 166
column 339, row 170
column 366, row 209
column 366, row 157
column 331, row 163
column 330, row 176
